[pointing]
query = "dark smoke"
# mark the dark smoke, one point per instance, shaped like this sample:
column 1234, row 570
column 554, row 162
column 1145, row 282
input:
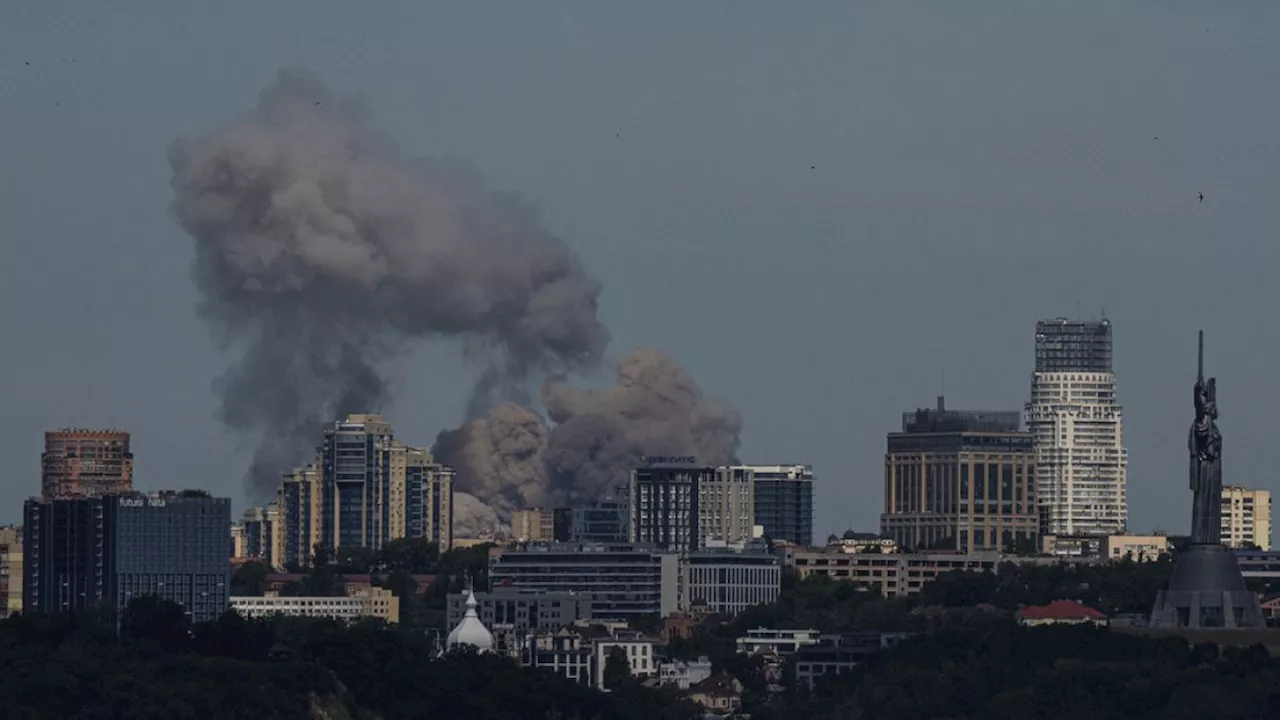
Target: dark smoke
column 321, row 251
column 498, row 458
column 656, row 408
column 510, row 460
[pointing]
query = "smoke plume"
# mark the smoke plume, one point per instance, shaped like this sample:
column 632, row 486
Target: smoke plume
column 498, row 458
column 656, row 408
column 321, row 251
column 472, row 518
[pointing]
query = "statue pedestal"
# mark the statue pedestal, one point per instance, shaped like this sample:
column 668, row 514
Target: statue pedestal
column 1206, row 591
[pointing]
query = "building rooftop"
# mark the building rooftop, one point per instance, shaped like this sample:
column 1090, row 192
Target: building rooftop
column 1060, row 610
column 940, row 419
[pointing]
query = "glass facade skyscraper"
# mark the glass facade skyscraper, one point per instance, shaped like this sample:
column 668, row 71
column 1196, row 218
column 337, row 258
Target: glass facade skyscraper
column 784, row 501
column 103, row 552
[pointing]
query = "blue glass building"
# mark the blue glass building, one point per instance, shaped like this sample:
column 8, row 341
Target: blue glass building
column 103, row 552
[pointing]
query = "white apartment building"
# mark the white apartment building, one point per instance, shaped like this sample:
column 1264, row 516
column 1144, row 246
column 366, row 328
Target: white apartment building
column 372, row 603
column 1246, row 518
column 1078, row 427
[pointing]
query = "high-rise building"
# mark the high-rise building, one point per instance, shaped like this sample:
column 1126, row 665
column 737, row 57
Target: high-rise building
column 365, row 489
column 87, row 553
column 10, row 571
column 784, row 501
column 1246, row 518
column 298, row 502
column 1082, row 464
column 355, row 502
column 678, row 507
column 85, row 463
column 960, row 480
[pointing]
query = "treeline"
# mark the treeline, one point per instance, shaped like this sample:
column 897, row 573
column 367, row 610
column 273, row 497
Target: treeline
column 990, row 669
column 971, row 660
column 834, row 606
column 76, row 667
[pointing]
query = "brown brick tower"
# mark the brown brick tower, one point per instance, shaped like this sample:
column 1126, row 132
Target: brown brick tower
column 85, row 463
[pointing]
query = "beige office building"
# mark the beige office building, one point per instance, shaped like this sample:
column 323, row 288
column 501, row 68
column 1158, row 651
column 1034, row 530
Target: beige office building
column 894, row 575
column 960, row 480
column 1246, row 518
column 533, row 525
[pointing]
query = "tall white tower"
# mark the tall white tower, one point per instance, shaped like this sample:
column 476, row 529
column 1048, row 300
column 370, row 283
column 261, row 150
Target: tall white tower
column 1081, row 461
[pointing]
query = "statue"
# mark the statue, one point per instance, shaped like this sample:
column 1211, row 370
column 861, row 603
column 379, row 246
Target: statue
column 1205, row 446
column 1206, row 589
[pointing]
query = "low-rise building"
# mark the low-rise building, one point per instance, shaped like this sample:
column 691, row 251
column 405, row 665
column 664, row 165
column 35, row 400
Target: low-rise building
column 1060, row 612
column 520, row 610
column 894, row 575
column 581, row 651
column 839, row 654
column 624, row 581
column 775, row 641
column 860, row 542
column 563, row 652
column 682, row 674
column 369, row 603
column 1259, row 564
column 720, row 694
column 637, row 649
column 729, row 580
column 1138, row 548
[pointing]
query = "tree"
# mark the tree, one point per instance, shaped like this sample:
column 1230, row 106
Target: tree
column 153, row 619
column 412, row 555
column 354, row 560
column 250, row 579
column 617, row 669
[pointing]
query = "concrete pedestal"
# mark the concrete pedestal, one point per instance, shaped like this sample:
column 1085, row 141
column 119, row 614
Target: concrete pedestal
column 1206, row 591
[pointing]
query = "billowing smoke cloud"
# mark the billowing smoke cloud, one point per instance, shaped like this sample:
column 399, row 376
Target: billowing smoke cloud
column 321, row 251
column 498, row 458
column 473, row 518
column 510, row 460
column 656, row 408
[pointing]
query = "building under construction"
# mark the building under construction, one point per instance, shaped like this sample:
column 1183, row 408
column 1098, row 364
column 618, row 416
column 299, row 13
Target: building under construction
column 85, row 463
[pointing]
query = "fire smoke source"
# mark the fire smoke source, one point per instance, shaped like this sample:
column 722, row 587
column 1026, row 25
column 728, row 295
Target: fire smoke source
column 656, row 408
column 321, row 251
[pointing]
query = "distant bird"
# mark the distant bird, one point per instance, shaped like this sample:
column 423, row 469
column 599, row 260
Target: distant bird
column 317, row 103
column 813, row 167
column 1156, row 137
column 28, row 63
column 618, row 135
column 1201, row 196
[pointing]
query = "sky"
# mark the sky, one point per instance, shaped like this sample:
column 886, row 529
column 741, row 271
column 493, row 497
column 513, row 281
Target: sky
column 830, row 212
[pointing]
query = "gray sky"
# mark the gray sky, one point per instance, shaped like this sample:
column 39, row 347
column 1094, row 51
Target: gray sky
column 821, row 208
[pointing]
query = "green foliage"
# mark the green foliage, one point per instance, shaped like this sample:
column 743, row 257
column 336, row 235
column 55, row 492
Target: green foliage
column 416, row 556
column 250, row 579
column 72, row 667
column 1122, row 587
column 993, row 669
column 617, row 669
column 150, row 619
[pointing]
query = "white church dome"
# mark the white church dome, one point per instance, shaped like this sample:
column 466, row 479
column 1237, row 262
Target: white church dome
column 471, row 631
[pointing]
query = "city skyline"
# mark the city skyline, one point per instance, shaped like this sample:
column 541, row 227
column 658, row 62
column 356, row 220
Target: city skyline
column 877, row 209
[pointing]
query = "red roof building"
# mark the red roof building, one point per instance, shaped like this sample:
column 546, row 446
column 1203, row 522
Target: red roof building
column 1059, row 612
